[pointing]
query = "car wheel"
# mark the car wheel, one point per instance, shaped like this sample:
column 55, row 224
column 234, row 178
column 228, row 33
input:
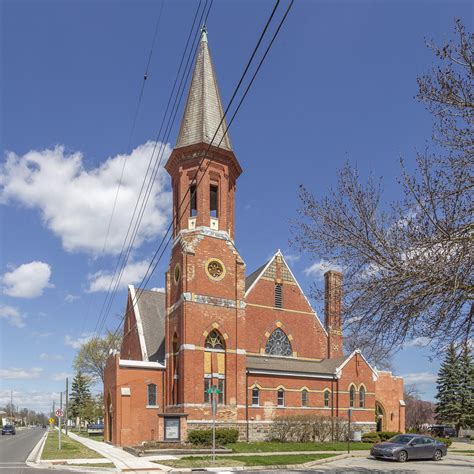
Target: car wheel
column 438, row 455
column 402, row 456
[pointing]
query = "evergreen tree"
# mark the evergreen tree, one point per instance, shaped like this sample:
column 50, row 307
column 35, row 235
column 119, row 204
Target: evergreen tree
column 449, row 406
column 467, row 388
column 80, row 399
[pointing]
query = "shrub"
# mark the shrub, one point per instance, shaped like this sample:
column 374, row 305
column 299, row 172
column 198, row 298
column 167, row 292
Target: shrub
column 304, row 428
column 447, row 441
column 204, row 437
column 372, row 437
column 385, row 435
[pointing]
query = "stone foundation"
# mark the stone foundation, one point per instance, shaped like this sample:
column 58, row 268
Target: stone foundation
column 260, row 430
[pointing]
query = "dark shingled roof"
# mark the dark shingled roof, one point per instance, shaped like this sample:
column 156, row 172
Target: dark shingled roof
column 253, row 276
column 151, row 305
column 289, row 364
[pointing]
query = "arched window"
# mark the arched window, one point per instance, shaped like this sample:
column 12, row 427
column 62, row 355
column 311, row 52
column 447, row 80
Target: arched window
column 278, row 344
column 255, row 397
column 214, row 340
column 362, row 397
column 352, row 396
column 214, row 367
column 304, row 398
column 327, row 398
column 281, row 398
column 151, row 395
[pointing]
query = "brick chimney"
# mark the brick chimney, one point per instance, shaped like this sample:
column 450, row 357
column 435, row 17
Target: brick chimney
column 333, row 312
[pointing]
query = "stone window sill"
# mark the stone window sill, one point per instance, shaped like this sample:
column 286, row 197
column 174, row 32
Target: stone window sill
column 152, row 406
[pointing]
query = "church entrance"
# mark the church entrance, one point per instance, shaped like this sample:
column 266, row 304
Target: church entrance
column 379, row 416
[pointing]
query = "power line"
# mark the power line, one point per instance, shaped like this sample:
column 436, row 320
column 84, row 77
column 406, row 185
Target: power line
column 123, row 257
column 141, row 289
column 134, row 121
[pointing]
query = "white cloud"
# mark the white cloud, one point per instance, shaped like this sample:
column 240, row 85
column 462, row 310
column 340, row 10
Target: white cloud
column 71, row 298
column 45, row 356
column 27, row 281
column 418, row 342
column 419, row 378
column 79, row 341
column 318, row 269
column 159, row 290
column 16, row 373
column 292, row 258
column 39, row 401
column 60, row 377
column 76, row 203
column 133, row 273
column 12, row 315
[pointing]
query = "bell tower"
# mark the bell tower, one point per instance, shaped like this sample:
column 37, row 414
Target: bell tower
column 205, row 282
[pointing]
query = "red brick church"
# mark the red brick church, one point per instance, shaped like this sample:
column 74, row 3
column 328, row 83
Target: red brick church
column 253, row 336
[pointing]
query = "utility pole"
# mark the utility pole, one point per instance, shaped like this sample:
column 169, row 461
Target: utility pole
column 59, row 419
column 67, row 402
column 11, row 406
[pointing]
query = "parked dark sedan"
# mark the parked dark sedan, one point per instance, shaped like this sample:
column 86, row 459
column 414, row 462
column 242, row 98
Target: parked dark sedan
column 407, row 446
column 8, row 429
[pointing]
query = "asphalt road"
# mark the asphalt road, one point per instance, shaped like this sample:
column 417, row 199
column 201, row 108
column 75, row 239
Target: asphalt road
column 14, row 451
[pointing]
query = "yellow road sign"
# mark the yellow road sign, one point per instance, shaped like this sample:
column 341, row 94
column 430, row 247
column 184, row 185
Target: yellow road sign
column 51, row 421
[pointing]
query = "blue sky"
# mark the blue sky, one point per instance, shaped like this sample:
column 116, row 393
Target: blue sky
column 338, row 86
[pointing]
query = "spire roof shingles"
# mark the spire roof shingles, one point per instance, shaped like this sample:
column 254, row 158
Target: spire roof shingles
column 203, row 111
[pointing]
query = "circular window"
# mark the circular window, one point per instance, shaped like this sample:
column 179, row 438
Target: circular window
column 177, row 273
column 215, row 269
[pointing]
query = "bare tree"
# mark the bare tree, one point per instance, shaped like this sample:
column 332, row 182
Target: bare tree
column 92, row 355
column 408, row 265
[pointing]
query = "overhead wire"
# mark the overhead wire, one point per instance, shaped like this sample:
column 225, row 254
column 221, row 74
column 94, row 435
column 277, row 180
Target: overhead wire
column 132, row 130
column 141, row 288
column 136, row 219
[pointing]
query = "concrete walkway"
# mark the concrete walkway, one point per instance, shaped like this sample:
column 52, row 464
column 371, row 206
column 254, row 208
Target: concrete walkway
column 124, row 461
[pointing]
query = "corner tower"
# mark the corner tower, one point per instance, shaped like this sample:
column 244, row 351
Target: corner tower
column 205, row 281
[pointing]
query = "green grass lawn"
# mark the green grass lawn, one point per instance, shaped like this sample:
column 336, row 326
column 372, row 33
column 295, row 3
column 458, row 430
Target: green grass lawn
column 273, row 446
column 85, row 434
column 109, row 464
column 70, row 449
column 234, row 461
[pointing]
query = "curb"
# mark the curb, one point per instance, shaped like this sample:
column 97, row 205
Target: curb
column 274, row 466
column 35, row 453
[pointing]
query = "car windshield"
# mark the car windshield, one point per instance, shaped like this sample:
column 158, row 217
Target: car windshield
column 401, row 439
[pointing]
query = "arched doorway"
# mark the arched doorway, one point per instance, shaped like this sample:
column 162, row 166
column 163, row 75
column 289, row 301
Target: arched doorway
column 380, row 416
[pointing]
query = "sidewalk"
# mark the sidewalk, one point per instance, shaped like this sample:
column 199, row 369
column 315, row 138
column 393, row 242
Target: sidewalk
column 124, row 461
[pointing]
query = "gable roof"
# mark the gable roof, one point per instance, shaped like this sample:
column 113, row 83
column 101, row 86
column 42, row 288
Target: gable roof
column 150, row 314
column 253, row 278
column 323, row 367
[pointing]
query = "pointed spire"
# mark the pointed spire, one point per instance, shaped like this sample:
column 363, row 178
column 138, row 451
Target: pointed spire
column 203, row 111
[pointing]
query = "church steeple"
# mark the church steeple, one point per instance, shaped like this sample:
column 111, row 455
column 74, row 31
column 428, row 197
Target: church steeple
column 203, row 177
column 203, row 111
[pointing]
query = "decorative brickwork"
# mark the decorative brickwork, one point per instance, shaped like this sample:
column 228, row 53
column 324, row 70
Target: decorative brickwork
column 256, row 339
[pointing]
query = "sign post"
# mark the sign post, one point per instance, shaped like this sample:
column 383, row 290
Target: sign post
column 213, row 392
column 59, row 414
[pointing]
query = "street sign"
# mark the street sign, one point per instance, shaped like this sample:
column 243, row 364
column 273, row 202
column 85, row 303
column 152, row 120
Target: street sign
column 51, row 421
column 213, row 389
column 59, row 412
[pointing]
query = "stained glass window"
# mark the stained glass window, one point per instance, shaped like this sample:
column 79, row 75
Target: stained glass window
column 362, row 397
column 278, row 344
column 352, row 395
column 151, row 394
column 214, row 341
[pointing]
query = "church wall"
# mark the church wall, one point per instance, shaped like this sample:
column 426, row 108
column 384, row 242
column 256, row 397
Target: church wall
column 389, row 393
column 133, row 420
column 357, row 373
